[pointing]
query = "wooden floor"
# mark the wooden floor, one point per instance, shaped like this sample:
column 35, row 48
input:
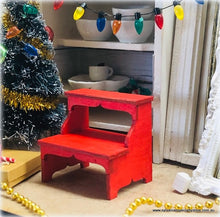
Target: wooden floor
column 81, row 192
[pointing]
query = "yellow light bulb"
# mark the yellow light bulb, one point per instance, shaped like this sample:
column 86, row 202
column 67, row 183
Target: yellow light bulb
column 79, row 12
column 178, row 10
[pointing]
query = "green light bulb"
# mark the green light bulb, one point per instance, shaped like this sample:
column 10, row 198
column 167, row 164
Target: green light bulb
column 29, row 9
column 3, row 53
column 139, row 23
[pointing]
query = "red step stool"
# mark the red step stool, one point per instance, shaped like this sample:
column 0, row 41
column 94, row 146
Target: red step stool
column 126, row 158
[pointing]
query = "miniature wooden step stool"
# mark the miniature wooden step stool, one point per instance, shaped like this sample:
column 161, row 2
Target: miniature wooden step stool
column 126, row 158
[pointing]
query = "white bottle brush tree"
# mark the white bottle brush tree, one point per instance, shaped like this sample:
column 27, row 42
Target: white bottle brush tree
column 30, row 83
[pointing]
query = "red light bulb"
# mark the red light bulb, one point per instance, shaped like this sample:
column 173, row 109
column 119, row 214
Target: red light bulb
column 50, row 33
column 158, row 18
column 116, row 24
column 57, row 4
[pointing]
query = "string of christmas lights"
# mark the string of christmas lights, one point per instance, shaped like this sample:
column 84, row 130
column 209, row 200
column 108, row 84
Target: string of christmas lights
column 138, row 23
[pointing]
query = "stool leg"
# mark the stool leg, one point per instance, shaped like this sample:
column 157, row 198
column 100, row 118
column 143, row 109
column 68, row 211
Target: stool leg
column 116, row 177
column 84, row 164
column 51, row 163
column 112, row 190
column 46, row 171
column 148, row 177
column 148, row 171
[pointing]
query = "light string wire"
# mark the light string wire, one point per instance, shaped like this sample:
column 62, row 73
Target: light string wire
column 152, row 12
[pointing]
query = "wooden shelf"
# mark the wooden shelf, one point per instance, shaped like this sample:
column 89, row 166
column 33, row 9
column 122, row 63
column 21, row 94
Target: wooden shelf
column 105, row 45
column 109, row 119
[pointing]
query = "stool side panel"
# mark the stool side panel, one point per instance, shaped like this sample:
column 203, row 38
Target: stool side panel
column 77, row 119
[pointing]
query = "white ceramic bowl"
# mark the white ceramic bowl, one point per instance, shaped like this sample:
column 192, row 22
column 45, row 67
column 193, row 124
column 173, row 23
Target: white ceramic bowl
column 83, row 81
column 128, row 34
column 131, row 10
column 88, row 30
column 112, row 84
column 116, row 82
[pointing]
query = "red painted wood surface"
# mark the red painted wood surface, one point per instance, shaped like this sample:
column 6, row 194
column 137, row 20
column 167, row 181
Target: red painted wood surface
column 126, row 158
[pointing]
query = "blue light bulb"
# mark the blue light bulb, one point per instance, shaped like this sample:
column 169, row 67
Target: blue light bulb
column 100, row 23
column 30, row 50
column 201, row 2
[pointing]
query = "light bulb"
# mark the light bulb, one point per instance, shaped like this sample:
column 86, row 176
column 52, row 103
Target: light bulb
column 79, row 12
column 12, row 32
column 30, row 50
column 201, row 2
column 138, row 23
column 3, row 53
column 29, row 9
column 50, row 33
column 158, row 18
column 57, row 4
column 100, row 23
column 116, row 23
column 178, row 10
